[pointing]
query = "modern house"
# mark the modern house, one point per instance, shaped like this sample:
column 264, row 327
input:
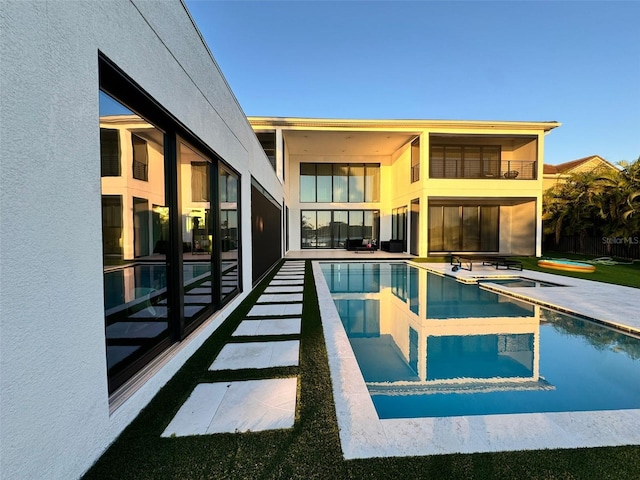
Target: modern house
column 558, row 174
column 139, row 208
column 433, row 186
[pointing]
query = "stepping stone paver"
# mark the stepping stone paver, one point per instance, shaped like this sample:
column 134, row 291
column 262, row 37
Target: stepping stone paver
column 279, row 309
column 280, row 298
column 235, row 356
column 275, row 326
column 227, row 407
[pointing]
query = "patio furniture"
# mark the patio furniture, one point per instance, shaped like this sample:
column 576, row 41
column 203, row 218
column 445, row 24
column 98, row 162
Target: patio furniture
column 367, row 246
column 466, row 261
column 393, row 246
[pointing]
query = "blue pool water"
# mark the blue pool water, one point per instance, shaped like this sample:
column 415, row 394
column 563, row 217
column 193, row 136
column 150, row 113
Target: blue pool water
column 429, row 346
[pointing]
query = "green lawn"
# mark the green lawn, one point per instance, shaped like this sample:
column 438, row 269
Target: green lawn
column 312, row 448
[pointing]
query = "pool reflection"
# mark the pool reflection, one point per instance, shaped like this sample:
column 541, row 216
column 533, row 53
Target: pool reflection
column 410, row 328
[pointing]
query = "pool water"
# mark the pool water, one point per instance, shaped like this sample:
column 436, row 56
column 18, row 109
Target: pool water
column 429, row 346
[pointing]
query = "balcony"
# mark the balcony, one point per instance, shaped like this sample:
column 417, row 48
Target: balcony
column 478, row 169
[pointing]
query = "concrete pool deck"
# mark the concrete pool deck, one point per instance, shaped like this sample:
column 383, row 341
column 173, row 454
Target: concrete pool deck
column 363, row 434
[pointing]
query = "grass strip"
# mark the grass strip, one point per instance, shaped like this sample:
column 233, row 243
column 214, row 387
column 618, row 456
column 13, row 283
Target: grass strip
column 311, row 449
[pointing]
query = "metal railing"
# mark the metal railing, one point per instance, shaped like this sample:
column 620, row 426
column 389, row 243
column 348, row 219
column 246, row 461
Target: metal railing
column 505, row 169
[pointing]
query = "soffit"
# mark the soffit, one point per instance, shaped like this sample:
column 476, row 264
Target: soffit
column 313, row 142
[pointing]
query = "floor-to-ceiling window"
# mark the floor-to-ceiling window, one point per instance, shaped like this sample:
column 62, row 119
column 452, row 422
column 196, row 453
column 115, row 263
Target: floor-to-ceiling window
column 464, row 228
column 332, row 228
column 339, row 183
column 415, row 227
column 170, row 236
column 399, row 225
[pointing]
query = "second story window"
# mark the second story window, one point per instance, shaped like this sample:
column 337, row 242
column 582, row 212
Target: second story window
column 109, row 153
column 415, row 160
column 337, row 182
column 268, row 142
column 140, row 158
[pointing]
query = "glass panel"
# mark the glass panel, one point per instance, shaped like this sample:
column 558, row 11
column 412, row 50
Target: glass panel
column 356, row 183
column 308, row 229
column 339, row 228
column 435, row 229
column 268, row 142
column 340, row 183
column 196, row 237
column 453, row 162
column 324, row 229
column 372, row 183
column 356, row 222
column 200, row 182
column 136, row 311
column 139, row 147
column 371, row 225
column 470, row 229
column 490, row 228
column 229, row 235
column 109, row 152
column 436, row 167
column 472, row 162
column 415, row 160
column 324, row 174
column 451, row 229
column 141, row 227
column 491, row 161
column 307, row 182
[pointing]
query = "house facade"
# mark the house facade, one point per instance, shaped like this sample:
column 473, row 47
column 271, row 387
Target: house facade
column 433, row 186
column 139, row 208
column 119, row 126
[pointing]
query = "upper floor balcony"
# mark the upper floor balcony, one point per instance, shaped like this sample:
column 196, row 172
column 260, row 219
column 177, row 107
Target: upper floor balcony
column 483, row 157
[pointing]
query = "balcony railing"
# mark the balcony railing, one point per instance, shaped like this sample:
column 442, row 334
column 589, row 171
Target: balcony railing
column 505, row 169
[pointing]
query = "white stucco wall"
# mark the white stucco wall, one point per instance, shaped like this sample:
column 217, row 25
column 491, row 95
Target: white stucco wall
column 54, row 410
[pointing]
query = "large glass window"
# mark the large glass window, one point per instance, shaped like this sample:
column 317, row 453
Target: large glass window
column 338, row 183
column 136, row 291
column 149, row 306
column 464, row 228
column 332, row 228
column 399, row 225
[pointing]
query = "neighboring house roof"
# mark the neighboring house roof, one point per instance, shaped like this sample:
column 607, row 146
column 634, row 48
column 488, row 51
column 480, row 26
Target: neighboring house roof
column 591, row 163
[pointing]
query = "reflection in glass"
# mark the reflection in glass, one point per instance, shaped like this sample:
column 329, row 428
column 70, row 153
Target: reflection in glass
column 229, row 239
column 136, row 311
column 197, row 234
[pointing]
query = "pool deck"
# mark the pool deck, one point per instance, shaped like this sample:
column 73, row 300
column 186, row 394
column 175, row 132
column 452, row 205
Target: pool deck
column 364, row 435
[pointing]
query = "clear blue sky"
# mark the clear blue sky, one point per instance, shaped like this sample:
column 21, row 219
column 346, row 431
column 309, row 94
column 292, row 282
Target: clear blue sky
column 574, row 62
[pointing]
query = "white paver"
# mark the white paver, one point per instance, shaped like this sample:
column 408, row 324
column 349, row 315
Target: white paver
column 274, row 283
column 235, row 356
column 275, row 309
column 227, row 407
column 275, row 326
column 284, row 289
column 280, row 298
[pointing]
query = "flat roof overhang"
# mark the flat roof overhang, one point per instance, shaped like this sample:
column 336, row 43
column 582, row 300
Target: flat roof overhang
column 325, row 136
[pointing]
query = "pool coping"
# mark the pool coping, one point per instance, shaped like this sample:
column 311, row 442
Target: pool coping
column 364, row 435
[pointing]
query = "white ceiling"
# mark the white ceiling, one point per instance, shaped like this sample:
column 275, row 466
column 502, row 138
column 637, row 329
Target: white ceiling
column 301, row 142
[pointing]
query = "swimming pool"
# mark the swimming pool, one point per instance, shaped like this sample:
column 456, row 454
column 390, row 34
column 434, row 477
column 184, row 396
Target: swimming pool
column 429, row 346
